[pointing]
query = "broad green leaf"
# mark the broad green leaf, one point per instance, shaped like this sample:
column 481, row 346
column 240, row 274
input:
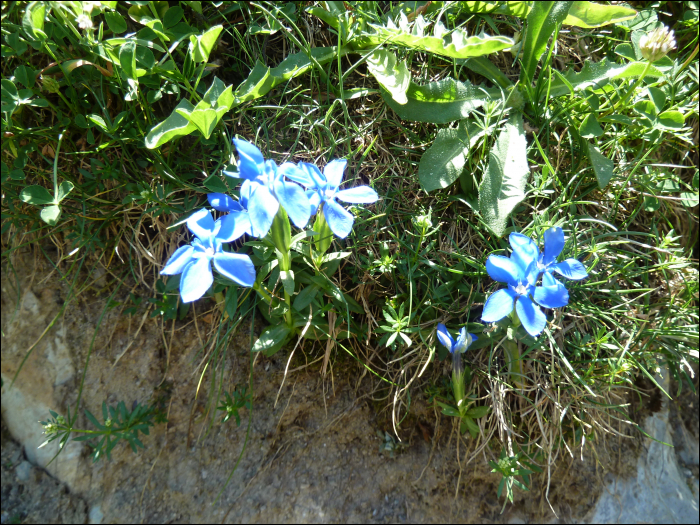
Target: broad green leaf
column 590, row 127
column 16, row 43
column 596, row 74
column 36, row 195
column 304, row 298
column 204, row 119
column 391, row 74
column 690, row 199
column 602, row 166
column 50, row 215
column 63, row 190
column 454, row 44
column 127, row 59
column 324, row 15
column 478, row 412
column 542, row 21
column 487, row 69
column 272, row 339
column 115, row 22
column 588, row 14
column 33, row 20
column 25, row 76
column 174, row 126
column 287, row 278
column 503, row 185
column 10, row 97
column 501, row 8
column 441, row 102
column 444, row 161
column 215, row 184
column 173, row 16
column 672, row 119
column 202, row 45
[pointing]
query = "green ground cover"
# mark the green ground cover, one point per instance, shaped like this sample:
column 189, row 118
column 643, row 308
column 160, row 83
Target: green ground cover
column 472, row 121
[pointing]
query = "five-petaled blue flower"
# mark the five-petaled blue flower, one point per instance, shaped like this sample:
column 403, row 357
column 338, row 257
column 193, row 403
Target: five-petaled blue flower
column 266, row 189
column 194, row 261
column 464, row 340
column 521, row 271
column 323, row 188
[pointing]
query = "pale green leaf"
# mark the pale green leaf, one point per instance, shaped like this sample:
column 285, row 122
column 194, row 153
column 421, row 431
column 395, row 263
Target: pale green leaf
column 596, row 74
column 441, row 102
column 503, row 185
column 287, row 278
column 36, row 196
column 33, row 20
column 391, row 74
column 272, row 339
column 175, row 125
column 50, row 215
column 602, row 166
column 588, row 14
column 542, row 21
column 63, row 190
column 202, row 45
column 444, row 161
column 590, row 127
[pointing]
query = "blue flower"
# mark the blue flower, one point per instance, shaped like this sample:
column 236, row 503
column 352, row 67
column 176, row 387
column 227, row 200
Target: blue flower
column 553, row 246
column 464, row 340
column 194, row 261
column 238, row 218
column 266, row 189
column 323, row 188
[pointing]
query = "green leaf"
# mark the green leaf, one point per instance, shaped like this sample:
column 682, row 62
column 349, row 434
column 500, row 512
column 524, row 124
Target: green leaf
column 503, row 185
column 478, row 412
column 448, row 410
column 202, row 45
column 173, row 16
column 50, row 215
column 454, row 44
column 471, row 426
column 33, row 20
column 440, row 102
column 174, row 126
column 596, row 74
column 26, row 76
column 690, row 199
column 590, row 127
column 324, row 15
column 602, row 166
column 487, row 69
column 215, row 184
column 127, row 59
column 444, row 161
column 391, row 75
column 672, row 119
column 287, row 278
column 542, row 21
column 588, row 14
column 36, row 196
column 204, row 119
column 63, row 190
column 304, row 298
column 10, row 96
column 272, row 339
column 115, row 22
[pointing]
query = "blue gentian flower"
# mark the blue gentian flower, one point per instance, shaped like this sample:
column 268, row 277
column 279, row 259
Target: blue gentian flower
column 464, row 340
column 194, row 261
column 266, row 189
column 323, row 188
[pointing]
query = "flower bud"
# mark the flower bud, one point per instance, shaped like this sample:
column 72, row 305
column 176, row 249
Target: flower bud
column 657, row 44
column 50, row 84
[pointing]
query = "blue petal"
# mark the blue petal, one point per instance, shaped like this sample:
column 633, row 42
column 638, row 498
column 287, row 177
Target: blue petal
column 334, row 172
column 201, row 223
column 524, row 249
column 296, row 173
column 502, row 269
column 339, row 219
column 295, row 202
column 462, row 341
column 251, row 160
column 498, row 305
column 237, row 267
column 262, row 209
column 552, row 293
column 571, row 269
column 233, row 226
column 222, row 202
column 530, row 315
column 246, row 191
column 314, row 201
column 358, row 195
column 318, row 181
column 177, row 262
column 196, row 280
column 474, row 338
column 553, row 244
column 531, row 273
column 444, row 336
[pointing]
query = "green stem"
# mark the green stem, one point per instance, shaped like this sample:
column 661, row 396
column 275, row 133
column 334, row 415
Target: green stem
column 458, row 381
column 513, row 357
column 55, row 168
column 281, row 233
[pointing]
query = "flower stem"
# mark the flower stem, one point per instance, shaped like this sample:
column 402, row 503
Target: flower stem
column 281, row 232
column 458, row 381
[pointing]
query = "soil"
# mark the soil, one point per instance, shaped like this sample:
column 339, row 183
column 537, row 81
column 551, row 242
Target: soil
column 312, row 455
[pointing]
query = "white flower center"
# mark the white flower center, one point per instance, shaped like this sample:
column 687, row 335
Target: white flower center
column 209, row 252
column 521, row 289
column 328, row 194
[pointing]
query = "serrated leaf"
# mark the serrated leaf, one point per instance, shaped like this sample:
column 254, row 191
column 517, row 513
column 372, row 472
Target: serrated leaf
column 440, row 102
column 175, row 125
column 391, row 74
column 503, row 185
column 443, row 162
column 588, row 14
column 542, row 21
column 590, row 127
column 272, row 339
column 596, row 74
column 602, row 166
column 455, row 44
column 36, row 196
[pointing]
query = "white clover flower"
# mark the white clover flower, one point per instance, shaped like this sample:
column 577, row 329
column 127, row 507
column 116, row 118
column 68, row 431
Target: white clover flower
column 84, row 21
column 657, row 44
